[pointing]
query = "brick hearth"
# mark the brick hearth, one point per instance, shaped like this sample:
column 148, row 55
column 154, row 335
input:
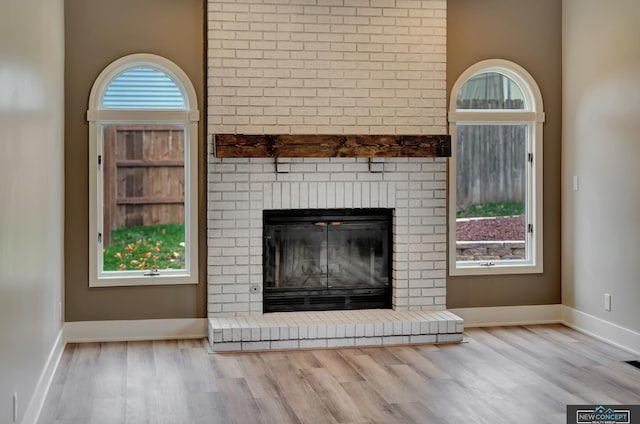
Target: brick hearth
column 300, row 330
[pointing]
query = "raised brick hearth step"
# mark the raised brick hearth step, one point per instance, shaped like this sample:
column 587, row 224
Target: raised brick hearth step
column 302, row 330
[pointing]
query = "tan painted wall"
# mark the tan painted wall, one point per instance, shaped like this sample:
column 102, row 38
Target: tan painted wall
column 98, row 32
column 530, row 34
column 31, row 194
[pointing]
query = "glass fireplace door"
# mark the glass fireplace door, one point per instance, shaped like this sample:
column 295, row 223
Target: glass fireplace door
column 296, row 254
column 357, row 254
column 328, row 259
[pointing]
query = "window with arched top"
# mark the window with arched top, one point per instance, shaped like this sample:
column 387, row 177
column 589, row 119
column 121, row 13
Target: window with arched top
column 143, row 146
column 495, row 178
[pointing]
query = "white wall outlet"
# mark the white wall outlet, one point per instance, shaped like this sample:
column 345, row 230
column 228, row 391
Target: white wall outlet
column 607, row 302
column 575, row 183
column 59, row 311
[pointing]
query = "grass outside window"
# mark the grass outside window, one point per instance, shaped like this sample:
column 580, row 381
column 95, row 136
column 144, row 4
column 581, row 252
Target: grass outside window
column 146, row 248
column 491, row 209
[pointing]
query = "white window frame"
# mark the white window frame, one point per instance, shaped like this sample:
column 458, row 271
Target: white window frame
column 97, row 116
column 533, row 117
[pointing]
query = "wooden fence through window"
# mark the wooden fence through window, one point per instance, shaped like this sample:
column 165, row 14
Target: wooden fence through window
column 491, row 159
column 491, row 164
column 143, row 176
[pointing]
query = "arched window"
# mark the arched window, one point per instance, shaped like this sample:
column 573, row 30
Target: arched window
column 495, row 179
column 143, row 135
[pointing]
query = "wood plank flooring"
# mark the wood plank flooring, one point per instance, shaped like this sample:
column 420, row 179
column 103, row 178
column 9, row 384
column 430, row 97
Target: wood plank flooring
column 499, row 375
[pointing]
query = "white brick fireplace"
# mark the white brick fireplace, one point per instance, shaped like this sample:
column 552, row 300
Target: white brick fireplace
column 240, row 189
column 325, row 67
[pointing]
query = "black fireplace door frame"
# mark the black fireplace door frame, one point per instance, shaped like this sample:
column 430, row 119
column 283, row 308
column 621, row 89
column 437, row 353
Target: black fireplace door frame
column 322, row 290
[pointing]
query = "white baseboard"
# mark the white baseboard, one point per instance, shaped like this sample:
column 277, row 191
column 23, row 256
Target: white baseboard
column 32, row 413
column 129, row 330
column 606, row 331
column 500, row 316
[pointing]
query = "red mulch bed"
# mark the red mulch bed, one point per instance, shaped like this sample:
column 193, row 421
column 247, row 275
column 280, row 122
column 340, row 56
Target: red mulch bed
column 504, row 228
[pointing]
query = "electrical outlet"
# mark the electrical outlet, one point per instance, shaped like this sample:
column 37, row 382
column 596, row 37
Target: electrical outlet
column 607, row 302
column 15, row 407
column 59, row 311
column 575, row 183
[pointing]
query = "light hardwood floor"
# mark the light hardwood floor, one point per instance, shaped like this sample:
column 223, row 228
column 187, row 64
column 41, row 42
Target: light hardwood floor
column 499, row 375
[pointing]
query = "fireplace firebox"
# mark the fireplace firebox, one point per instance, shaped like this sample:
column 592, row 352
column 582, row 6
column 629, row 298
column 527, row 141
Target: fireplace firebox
column 327, row 259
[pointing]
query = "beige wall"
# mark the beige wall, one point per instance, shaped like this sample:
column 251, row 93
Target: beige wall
column 529, row 34
column 98, row 32
column 601, row 92
column 31, row 194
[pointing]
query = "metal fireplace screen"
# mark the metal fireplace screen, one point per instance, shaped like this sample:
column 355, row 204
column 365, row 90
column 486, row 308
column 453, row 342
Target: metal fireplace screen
column 327, row 259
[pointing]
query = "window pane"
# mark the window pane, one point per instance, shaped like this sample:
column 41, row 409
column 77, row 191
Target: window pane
column 490, row 90
column 143, row 88
column 491, row 173
column 143, row 197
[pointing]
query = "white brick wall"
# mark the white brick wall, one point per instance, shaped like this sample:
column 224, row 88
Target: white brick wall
column 239, row 190
column 327, row 66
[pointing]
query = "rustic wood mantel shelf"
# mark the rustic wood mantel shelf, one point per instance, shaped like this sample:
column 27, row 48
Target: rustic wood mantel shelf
column 330, row 146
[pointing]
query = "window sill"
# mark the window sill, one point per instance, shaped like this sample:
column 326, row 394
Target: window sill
column 497, row 269
column 158, row 280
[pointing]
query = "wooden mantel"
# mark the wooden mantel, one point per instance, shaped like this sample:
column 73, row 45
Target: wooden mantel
column 330, row 146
